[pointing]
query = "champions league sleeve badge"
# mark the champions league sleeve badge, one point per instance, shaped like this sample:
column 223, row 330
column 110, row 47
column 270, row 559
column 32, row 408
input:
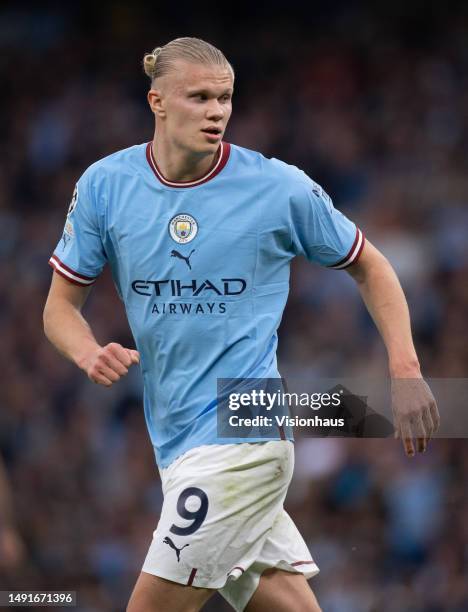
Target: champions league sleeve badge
column 74, row 199
column 183, row 228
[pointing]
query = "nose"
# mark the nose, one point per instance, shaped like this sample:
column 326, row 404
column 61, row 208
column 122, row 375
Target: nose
column 215, row 111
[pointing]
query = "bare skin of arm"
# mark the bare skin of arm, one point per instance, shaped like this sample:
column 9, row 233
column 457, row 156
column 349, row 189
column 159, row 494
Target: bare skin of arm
column 12, row 550
column 69, row 332
column 414, row 407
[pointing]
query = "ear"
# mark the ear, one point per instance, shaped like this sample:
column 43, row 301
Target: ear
column 157, row 102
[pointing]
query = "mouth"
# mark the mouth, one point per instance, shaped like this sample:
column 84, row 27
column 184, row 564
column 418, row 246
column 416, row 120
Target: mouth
column 213, row 133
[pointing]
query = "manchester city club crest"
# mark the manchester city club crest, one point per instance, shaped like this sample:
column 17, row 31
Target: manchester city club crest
column 183, row 228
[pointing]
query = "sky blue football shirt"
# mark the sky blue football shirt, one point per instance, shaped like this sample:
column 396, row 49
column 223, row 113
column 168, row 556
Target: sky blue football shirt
column 203, row 270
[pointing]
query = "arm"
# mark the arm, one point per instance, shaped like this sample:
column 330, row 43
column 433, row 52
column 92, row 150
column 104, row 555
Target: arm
column 11, row 545
column 68, row 331
column 386, row 303
column 414, row 407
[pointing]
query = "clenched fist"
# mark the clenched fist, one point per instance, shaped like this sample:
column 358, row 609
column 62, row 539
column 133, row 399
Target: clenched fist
column 107, row 364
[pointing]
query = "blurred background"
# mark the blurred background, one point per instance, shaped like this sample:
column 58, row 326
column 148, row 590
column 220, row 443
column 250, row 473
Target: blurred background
column 371, row 100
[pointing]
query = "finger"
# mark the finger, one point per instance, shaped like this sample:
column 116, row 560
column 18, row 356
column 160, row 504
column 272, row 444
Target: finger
column 407, row 439
column 100, row 379
column 428, row 424
column 419, row 432
column 107, row 372
column 114, row 364
column 435, row 415
column 409, row 447
column 417, row 427
column 421, row 445
column 134, row 355
column 119, row 352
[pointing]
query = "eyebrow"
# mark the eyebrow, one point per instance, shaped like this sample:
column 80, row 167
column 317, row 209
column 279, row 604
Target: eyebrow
column 203, row 90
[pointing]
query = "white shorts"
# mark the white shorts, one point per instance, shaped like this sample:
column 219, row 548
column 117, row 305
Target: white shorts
column 222, row 523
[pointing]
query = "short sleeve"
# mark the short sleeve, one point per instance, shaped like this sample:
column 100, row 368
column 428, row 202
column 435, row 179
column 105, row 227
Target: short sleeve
column 319, row 231
column 79, row 255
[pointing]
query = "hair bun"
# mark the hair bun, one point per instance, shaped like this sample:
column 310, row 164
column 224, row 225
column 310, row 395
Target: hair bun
column 149, row 62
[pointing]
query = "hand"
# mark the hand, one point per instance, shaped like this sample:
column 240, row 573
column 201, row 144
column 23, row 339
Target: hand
column 105, row 365
column 415, row 413
column 12, row 551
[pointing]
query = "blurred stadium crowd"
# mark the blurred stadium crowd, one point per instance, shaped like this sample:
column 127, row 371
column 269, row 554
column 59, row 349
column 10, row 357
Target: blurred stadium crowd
column 370, row 102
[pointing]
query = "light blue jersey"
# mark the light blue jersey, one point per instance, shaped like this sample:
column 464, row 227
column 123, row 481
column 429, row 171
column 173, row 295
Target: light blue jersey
column 203, row 270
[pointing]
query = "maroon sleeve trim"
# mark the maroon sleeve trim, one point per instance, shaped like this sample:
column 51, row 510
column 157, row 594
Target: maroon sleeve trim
column 353, row 254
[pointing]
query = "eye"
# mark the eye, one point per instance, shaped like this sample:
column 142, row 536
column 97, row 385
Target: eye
column 226, row 98
column 199, row 97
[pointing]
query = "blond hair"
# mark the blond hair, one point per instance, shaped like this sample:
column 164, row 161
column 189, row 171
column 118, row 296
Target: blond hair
column 161, row 60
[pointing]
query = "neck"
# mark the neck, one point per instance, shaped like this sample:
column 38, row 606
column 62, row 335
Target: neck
column 179, row 165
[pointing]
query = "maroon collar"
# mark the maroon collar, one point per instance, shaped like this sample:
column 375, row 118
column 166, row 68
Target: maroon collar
column 222, row 158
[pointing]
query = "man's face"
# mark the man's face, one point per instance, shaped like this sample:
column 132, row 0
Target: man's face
column 196, row 100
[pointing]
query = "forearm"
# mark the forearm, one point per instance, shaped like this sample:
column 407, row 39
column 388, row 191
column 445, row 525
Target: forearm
column 386, row 303
column 71, row 335
column 66, row 328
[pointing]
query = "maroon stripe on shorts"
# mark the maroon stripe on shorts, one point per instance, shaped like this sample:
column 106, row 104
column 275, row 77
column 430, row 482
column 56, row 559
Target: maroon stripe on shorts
column 192, row 576
column 302, row 563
